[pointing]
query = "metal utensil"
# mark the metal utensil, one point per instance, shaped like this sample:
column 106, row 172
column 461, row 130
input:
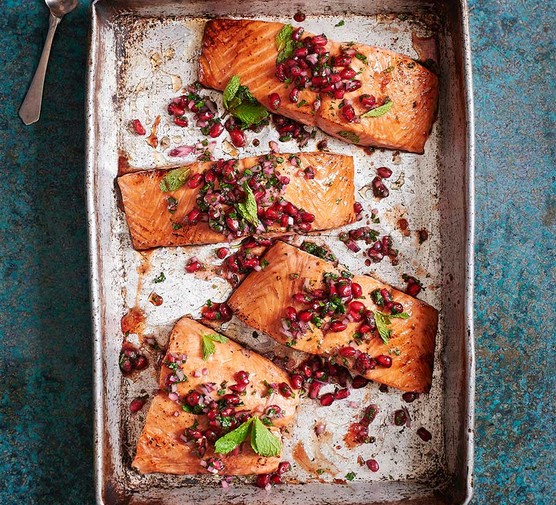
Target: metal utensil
column 30, row 110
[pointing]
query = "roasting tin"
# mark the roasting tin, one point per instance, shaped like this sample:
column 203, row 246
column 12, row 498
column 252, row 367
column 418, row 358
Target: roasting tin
column 142, row 54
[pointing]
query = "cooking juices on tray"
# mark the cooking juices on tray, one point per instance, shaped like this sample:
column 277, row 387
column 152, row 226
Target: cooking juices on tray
column 208, row 202
column 361, row 94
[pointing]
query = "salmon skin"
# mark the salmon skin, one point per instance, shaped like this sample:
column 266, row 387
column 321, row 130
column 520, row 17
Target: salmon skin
column 320, row 184
column 162, row 448
column 261, row 302
column 247, row 48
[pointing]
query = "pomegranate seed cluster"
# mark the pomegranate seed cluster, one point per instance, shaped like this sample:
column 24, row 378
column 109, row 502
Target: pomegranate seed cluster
column 332, row 308
column 266, row 480
column 246, row 259
column 131, row 359
column 289, row 129
column 380, row 248
column 224, row 190
column 205, row 114
column 414, row 285
column 359, row 431
column 213, row 311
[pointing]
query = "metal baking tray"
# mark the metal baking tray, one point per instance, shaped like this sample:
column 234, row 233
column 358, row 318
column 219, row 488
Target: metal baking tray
column 142, row 53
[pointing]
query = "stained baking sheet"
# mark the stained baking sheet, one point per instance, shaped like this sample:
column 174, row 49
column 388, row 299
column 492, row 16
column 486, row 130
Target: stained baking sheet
column 142, row 55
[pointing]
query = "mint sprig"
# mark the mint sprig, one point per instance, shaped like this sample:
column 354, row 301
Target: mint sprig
column 263, row 441
column 379, row 111
column 174, row 179
column 248, row 209
column 284, row 43
column 241, row 104
column 207, row 342
column 383, row 320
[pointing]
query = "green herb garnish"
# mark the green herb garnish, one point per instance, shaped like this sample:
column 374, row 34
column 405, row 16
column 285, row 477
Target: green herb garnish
column 248, row 209
column 241, row 104
column 350, row 476
column 383, row 320
column 174, row 179
column 340, row 23
column 208, row 344
column 379, row 111
column 160, row 278
column 263, row 441
column 284, row 43
column 361, row 57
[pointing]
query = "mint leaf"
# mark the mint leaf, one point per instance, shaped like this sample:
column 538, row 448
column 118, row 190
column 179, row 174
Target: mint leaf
column 263, row 441
column 383, row 320
column 284, row 43
column 230, row 91
column 249, row 113
column 231, row 440
column 208, row 344
column 174, row 179
column 340, row 23
column 350, row 476
column 352, row 137
column 379, row 111
column 160, row 278
column 248, row 209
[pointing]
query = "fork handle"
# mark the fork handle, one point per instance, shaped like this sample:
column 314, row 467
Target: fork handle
column 30, row 110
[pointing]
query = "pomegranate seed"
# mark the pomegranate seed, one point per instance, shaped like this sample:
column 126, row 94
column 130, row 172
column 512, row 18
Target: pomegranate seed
column 216, row 130
column 314, row 389
column 296, row 381
column 242, row 377
column 181, row 121
column 193, row 216
column 262, row 480
column 357, row 207
column 275, row 479
column 138, row 128
column 237, row 137
column 400, row 417
column 384, row 172
column 403, row 224
column 204, row 116
column 299, row 17
column 136, row 405
column 337, row 326
column 231, row 399
column 193, row 266
column 141, row 362
column 348, row 113
column 372, row 465
column 291, row 209
column 307, row 217
column 344, row 290
column 347, row 352
column 232, row 224
column 285, row 390
column 305, row 227
column 126, row 365
column 222, row 252
column 225, row 312
column 175, row 110
column 424, row 434
column 341, row 61
column 368, row 101
column 291, row 314
column 305, row 316
column 413, row 289
column 410, row 397
column 379, row 189
column 238, row 388
column 283, row 467
column 284, row 221
column 298, row 32
column 364, row 362
column 294, row 95
column 339, row 93
column 356, row 307
column 195, row 181
column 192, row 399
column 423, row 236
column 210, row 315
column 319, row 40
column 385, row 361
column 348, row 73
column 307, row 371
column 327, row 399
column 365, row 328
column 356, row 290
column 396, row 308
column 359, row 382
column 341, row 394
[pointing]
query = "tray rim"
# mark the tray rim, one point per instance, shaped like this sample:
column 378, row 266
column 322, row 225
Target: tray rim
column 94, row 257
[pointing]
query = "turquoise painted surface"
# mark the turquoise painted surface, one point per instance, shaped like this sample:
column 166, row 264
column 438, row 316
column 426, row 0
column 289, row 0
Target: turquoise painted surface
column 45, row 352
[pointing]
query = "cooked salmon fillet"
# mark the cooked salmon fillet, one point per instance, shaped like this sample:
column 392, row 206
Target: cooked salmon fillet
column 247, row 48
column 261, row 300
column 329, row 197
column 160, row 447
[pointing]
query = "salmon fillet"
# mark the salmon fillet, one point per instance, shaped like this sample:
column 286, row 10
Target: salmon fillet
column 261, row 300
column 329, row 196
column 247, row 49
column 161, row 448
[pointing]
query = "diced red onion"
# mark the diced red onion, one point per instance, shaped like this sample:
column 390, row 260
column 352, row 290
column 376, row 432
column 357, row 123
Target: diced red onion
column 274, row 146
column 173, row 396
column 182, row 151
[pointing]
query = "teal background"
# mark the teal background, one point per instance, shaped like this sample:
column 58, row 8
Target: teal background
column 46, row 436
